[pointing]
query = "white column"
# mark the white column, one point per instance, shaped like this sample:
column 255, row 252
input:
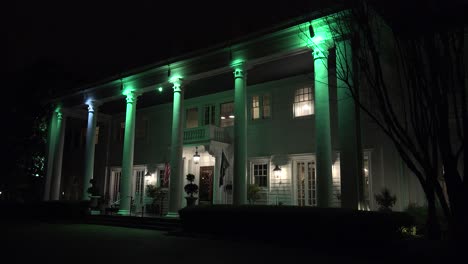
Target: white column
column 217, row 175
column 240, row 135
column 51, row 140
column 322, row 129
column 348, row 129
column 90, row 147
column 58, row 156
column 127, row 159
column 176, row 178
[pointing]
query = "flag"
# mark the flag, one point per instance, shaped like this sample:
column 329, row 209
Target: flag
column 167, row 174
column 224, row 166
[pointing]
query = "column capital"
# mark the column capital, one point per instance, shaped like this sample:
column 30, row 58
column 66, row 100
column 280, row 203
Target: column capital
column 58, row 111
column 320, row 53
column 93, row 105
column 239, row 68
column 176, row 83
column 131, row 96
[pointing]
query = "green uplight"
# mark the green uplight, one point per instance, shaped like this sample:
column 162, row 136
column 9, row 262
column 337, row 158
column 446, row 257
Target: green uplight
column 175, row 78
column 236, row 63
column 160, row 89
column 127, row 89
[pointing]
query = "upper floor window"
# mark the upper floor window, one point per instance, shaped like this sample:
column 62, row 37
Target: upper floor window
column 303, row 102
column 260, row 106
column 227, row 114
column 192, row 118
column 209, row 115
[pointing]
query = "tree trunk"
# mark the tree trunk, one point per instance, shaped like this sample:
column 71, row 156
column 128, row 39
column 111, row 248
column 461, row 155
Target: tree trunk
column 433, row 224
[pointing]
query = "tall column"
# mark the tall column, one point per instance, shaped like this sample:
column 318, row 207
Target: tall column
column 127, row 159
column 51, row 140
column 90, row 147
column 176, row 178
column 58, row 156
column 322, row 129
column 216, row 175
column 240, row 135
column 348, row 129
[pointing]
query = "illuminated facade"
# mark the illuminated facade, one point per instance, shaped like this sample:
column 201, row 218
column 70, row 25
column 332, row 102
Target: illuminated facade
column 269, row 102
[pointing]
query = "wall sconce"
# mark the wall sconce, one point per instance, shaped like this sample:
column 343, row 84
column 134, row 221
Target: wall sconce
column 147, row 173
column 277, row 171
column 196, row 157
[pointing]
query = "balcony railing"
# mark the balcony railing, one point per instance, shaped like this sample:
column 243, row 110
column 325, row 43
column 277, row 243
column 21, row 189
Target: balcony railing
column 204, row 133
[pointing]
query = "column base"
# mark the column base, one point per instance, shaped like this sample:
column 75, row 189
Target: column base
column 123, row 212
column 172, row 215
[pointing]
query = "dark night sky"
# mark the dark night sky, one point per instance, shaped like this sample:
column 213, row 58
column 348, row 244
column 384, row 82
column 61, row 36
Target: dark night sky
column 86, row 42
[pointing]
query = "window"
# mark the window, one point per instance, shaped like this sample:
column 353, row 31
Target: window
column 209, row 115
column 192, row 118
column 260, row 106
column 260, row 174
column 227, row 114
column 303, row 103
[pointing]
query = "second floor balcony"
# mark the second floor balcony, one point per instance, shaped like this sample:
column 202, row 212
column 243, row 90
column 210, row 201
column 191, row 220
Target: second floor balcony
column 205, row 134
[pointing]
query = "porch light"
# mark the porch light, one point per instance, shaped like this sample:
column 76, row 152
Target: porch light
column 160, row 89
column 147, row 173
column 196, row 157
column 277, row 171
column 231, row 116
column 222, row 117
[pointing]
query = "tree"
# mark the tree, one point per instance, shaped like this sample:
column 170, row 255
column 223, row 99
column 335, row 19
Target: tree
column 408, row 75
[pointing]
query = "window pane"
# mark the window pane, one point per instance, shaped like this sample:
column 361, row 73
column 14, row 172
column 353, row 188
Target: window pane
column 256, row 113
column 192, row 118
column 227, row 114
column 303, row 104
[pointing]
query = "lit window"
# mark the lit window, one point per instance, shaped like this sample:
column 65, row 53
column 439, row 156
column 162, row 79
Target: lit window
column 227, row 114
column 303, row 102
column 192, row 118
column 260, row 174
column 255, row 107
column 260, row 107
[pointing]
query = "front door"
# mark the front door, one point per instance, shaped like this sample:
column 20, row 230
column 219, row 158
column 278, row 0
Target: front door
column 205, row 193
column 306, row 184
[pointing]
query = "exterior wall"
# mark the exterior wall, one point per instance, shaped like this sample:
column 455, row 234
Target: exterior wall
column 281, row 135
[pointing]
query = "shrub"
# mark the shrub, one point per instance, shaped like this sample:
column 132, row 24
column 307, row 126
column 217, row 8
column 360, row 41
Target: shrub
column 253, row 193
column 385, row 200
column 191, row 188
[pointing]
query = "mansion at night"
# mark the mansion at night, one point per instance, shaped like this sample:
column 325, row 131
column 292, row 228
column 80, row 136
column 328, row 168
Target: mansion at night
column 272, row 104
